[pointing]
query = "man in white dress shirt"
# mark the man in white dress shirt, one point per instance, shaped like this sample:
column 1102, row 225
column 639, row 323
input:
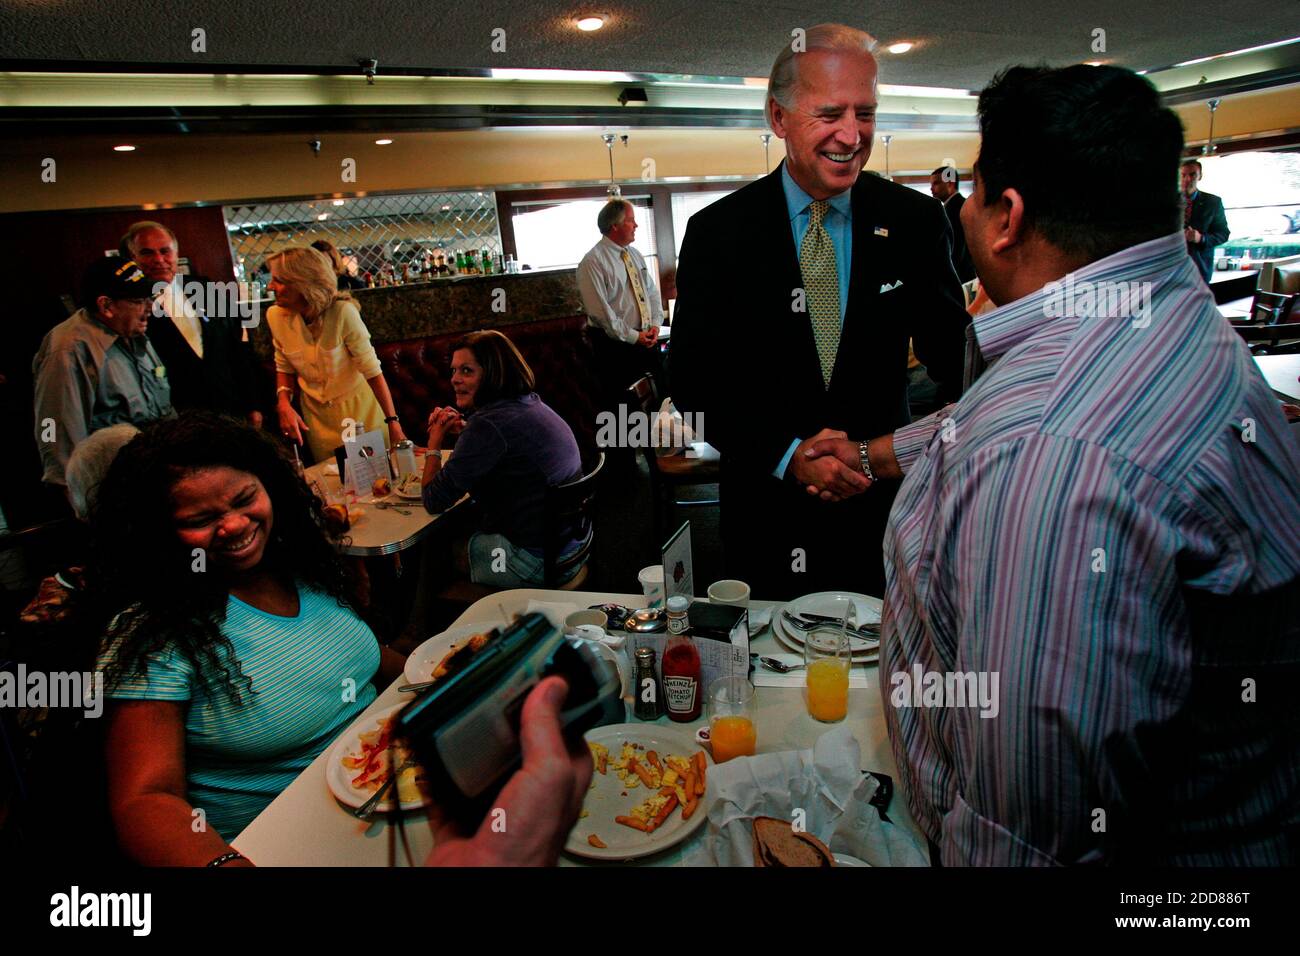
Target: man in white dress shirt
column 621, row 299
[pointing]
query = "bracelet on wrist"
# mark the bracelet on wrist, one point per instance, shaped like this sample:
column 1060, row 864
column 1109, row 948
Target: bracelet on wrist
column 390, row 419
column 864, row 460
column 227, row 858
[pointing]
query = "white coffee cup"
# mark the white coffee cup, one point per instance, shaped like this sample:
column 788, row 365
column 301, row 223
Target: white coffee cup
column 589, row 632
column 577, row 619
column 652, row 584
column 729, row 592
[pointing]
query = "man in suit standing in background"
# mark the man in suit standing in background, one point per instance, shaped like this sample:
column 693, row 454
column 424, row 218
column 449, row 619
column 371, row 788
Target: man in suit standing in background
column 945, row 185
column 208, row 363
column 796, row 299
column 1205, row 225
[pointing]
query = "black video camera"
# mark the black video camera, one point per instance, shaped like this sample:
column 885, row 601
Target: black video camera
column 464, row 731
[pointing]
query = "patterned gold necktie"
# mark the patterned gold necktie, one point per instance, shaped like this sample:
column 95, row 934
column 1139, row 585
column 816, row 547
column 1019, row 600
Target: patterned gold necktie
column 821, row 283
column 634, row 276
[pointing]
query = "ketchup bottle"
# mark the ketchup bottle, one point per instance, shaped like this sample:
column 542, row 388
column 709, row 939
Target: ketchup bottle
column 681, row 665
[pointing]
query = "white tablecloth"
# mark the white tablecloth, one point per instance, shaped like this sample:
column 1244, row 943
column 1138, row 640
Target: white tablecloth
column 306, row 826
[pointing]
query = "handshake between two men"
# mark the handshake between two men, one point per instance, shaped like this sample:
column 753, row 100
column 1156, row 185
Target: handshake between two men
column 829, row 465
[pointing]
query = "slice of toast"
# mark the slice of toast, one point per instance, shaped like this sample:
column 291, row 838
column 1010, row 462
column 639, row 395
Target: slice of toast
column 777, row 843
column 460, row 654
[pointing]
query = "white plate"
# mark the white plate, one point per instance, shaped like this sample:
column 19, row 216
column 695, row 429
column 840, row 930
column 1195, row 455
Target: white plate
column 339, row 777
column 421, row 661
column 605, row 801
column 869, row 656
column 829, row 603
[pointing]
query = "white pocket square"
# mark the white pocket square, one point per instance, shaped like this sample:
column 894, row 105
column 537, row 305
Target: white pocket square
column 889, row 287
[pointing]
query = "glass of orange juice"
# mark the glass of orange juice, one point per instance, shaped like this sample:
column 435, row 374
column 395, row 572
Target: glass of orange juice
column 827, row 658
column 732, row 732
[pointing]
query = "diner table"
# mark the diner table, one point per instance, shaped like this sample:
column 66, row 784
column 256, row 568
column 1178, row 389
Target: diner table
column 395, row 527
column 1282, row 372
column 307, row 826
column 1237, row 310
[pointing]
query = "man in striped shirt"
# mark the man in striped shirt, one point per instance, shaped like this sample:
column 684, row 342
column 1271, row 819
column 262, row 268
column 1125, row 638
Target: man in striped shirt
column 1091, row 638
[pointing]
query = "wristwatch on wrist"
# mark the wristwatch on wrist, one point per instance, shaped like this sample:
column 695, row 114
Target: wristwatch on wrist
column 390, row 419
column 866, row 463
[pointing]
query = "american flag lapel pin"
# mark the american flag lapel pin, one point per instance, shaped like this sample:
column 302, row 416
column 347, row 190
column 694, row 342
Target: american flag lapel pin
column 882, row 231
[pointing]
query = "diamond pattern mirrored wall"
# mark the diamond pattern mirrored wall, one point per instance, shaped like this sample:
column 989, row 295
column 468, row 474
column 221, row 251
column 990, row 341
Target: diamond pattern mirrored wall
column 377, row 231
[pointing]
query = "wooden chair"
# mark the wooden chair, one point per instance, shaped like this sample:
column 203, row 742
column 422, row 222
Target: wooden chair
column 671, row 472
column 569, row 506
column 1271, row 339
column 1272, row 308
column 566, row 506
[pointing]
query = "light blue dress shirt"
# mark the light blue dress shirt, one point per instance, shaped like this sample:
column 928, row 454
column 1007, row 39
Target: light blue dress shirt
column 839, row 226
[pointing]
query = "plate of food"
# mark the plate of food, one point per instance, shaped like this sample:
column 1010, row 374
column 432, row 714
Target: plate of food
column 360, row 763
column 447, row 652
column 646, row 795
column 408, row 487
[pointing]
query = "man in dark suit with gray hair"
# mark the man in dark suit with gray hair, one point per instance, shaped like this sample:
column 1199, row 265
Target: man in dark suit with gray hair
column 796, row 299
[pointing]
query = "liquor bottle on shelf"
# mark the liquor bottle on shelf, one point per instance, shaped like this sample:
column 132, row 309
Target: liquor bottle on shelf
column 487, row 263
column 460, row 263
column 370, row 279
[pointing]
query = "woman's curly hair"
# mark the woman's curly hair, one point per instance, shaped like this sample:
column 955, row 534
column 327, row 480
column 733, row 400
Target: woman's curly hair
column 145, row 591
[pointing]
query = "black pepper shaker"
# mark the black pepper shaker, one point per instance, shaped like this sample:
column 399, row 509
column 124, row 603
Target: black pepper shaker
column 646, row 704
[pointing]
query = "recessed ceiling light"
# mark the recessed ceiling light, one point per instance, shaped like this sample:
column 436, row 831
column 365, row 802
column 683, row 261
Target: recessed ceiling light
column 897, row 48
column 588, row 24
column 124, row 148
column 339, row 202
column 322, row 217
column 383, row 142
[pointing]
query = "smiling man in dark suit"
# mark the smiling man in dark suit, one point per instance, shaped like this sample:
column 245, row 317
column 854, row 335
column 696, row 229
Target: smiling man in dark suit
column 1205, row 224
column 796, row 299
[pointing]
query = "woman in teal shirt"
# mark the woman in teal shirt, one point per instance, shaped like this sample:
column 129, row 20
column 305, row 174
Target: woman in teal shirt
column 233, row 655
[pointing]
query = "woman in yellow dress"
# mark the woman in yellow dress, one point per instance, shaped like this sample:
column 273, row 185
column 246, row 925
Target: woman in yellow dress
column 323, row 353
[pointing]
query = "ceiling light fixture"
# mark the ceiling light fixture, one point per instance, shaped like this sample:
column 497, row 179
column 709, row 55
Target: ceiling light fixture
column 934, row 92
column 321, row 217
column 590, row 24
column 124, row 148
column 383, row 142
column 899, row 48
column 1249, row 49
column 339, row 202
column 612, row 191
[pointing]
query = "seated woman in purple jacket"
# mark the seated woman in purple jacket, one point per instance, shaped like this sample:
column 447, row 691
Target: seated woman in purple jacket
column 511, row 448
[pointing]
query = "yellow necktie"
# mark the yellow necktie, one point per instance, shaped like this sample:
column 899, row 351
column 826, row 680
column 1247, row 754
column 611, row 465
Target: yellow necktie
column 821, row 283
column 634, row 276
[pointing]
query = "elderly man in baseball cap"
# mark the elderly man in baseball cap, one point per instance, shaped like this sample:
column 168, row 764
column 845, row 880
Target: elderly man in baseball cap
column 97, row 368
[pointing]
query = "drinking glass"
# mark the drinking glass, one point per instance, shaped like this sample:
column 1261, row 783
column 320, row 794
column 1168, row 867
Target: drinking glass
column 827, row 658
column 336, row 511
column 732, row 732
